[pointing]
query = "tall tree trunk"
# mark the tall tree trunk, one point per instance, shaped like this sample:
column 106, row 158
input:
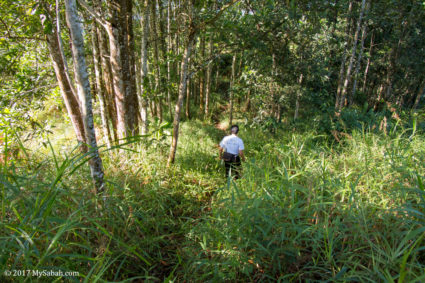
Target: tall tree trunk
column 297, row 102
column 202, row 75
column 118, row 81
column 108, row 79
column 347, row 80
column 177, row 51
column 68, row 93
column 209, row 78
column 369, row 58
column 378, row 97
column 182, row 88
column 159, row 108
column 188, row 90
column 157, row 67
column 344, row 58
column 100, row 87
column 163, row 54
column 121, row 43
column 143, row 101
column 120, row 38
column 130, row 65
column 83, row 88
column 152, row 100
column 216, row 77
column 169, row 48
column 359, row 58
column 107, row 73
column 232, row 82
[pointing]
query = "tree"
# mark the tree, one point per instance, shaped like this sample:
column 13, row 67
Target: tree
column 343, row 99
column 52, row 34
column 84, row 92
column 143, row 102
column 192, row 30
column 121, row 42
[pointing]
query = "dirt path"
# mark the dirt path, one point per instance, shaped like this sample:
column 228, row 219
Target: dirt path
column 223, row 126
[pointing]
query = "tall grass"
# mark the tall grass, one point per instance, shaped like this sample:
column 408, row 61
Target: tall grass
column 51, row 220
column 307, row 208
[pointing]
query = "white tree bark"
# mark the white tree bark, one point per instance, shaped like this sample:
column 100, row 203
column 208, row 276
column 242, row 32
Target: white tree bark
column 83, row 89
column 143, row 102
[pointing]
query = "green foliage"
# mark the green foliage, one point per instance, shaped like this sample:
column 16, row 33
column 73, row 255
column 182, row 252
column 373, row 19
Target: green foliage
column 51, row 220
column 306, row 209
column 307, row 212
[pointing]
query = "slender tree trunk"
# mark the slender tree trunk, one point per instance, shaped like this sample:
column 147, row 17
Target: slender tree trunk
column 107, row 73
column 239, row 70
column 359, row 58
column 69, row 96
column 208, row 79
column 297, row 102
column 188, row 90
column 83, row 86
column 177, row 52
column 169, row 48
column 232, row 82
column 152, row 100
column 155, row 39
column 344, row 59
column 378, row 97
column 118, row 81
column 182, row 88
column 366, row 71
column 273, row 88
column 159, row 109
column 100, row 87
column 164, row 55
column 202, row 75
column 143, row 101
column 343, row 101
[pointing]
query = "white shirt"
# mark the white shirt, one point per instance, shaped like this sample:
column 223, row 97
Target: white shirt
column 232, row 144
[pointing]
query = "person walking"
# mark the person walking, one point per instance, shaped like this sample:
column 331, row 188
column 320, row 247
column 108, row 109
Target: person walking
column 231, row 151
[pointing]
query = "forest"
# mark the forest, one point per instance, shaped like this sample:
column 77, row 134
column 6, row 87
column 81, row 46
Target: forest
column 112, row 119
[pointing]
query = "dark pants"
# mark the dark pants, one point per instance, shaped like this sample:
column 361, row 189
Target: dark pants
column 233, row 167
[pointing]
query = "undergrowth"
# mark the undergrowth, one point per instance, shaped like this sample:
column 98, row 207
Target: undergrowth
column 307, row 208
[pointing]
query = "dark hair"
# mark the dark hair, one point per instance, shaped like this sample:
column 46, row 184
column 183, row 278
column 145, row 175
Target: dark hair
column 234, row 129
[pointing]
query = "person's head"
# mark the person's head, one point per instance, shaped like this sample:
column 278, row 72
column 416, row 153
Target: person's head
column 234, row 129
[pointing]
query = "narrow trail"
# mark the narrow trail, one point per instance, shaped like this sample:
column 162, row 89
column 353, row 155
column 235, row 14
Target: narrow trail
column 221, row 126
